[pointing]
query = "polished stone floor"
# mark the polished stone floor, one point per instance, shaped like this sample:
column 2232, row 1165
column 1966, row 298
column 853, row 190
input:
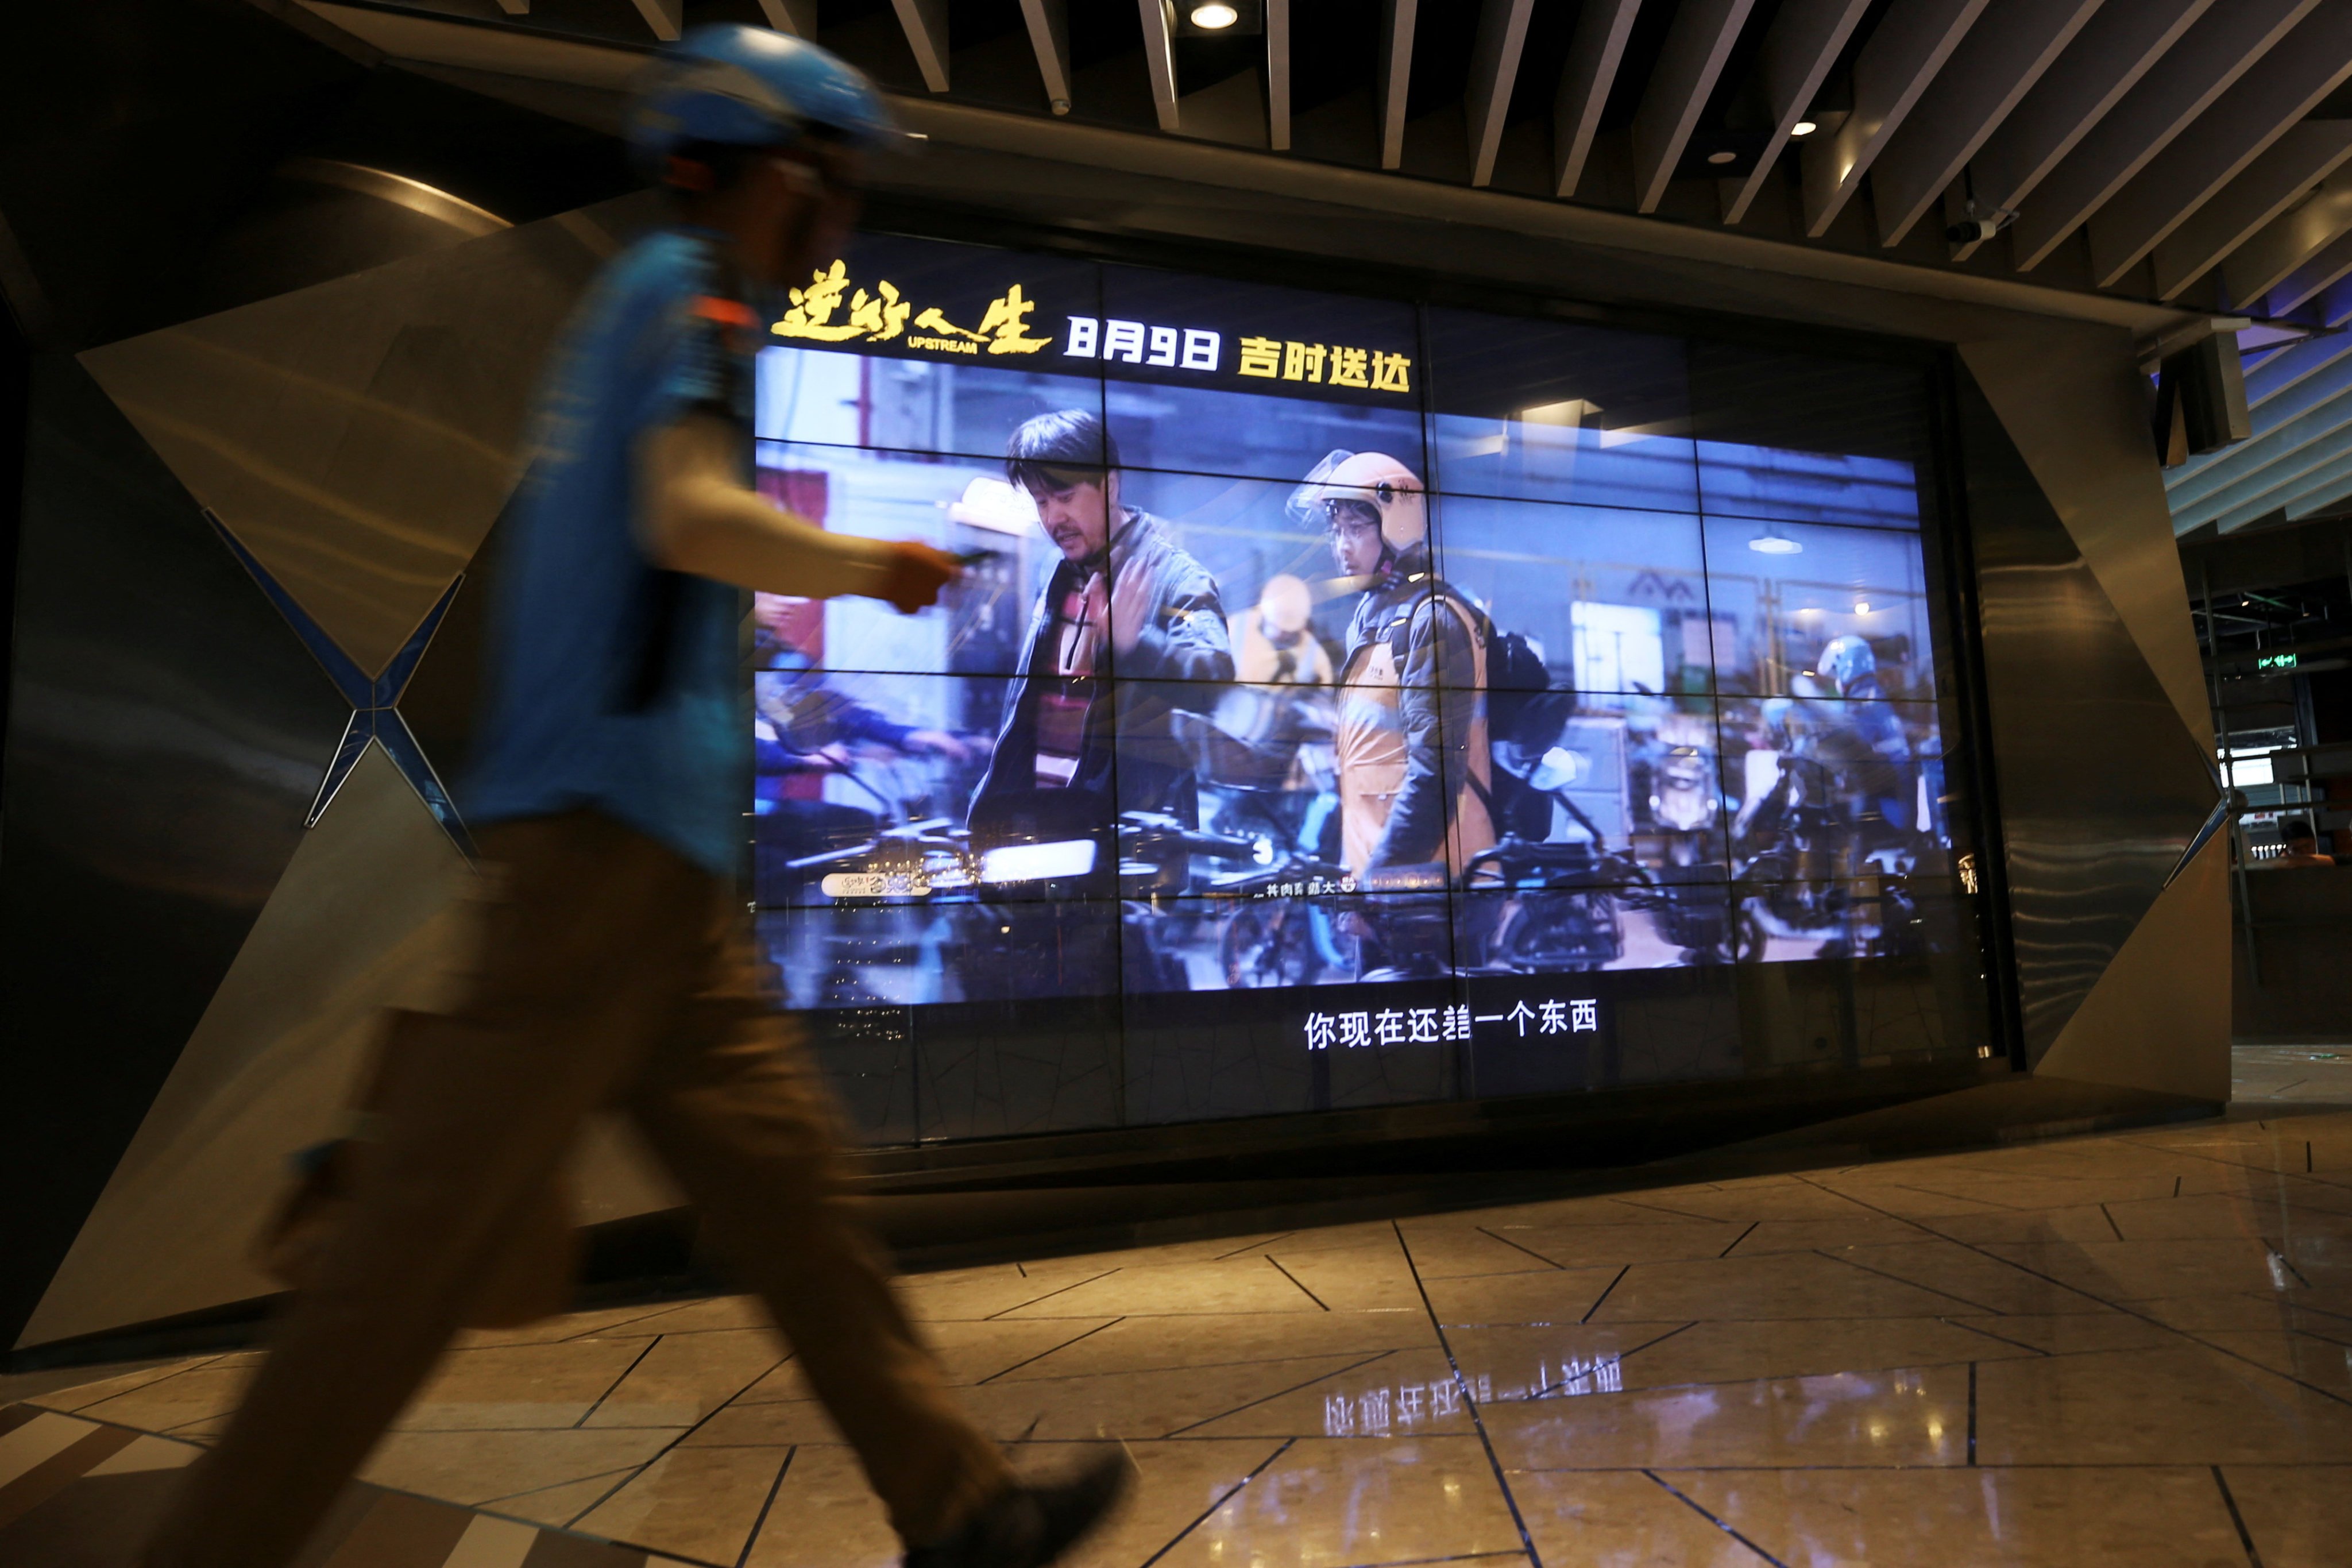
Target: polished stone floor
column 2132, row 1348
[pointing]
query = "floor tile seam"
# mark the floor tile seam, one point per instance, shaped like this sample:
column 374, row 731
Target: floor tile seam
column 1041, row 1355
column 1983, row 1251
column 1531, row 1251
column 111, row 1424
column 2237, row 1520
column 646, row 1317
column 2120, row 1307
column 2217, row 1350
column 405, row 1430
column 1478, row 1419
column 1679, row 1213
column 1369, row 1355
column 162, row 1377
column 1753, row 1226
column 2182, row 1467
column 2196, row 1336
column 490, row 1505
column 1630, row 1390
column 767, row 1506
column 1696, row 1507
column 1252, row 1247
column 1429, row 1561
column 1284, row 1446
column 1913, row 1284
column 1606, row 1291
column 1294, row 1278
column 209, row 1362
column 1840, row 1318
column 1212, row 1312
column 1210, row 1367
column 663, row 1335
column 1278, row 1393
column 992, row 1317
column 634, row 1362
column 1999, row 1339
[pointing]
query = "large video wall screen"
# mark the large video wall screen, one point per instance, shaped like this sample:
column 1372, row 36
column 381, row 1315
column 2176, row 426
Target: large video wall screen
column 1351, row 704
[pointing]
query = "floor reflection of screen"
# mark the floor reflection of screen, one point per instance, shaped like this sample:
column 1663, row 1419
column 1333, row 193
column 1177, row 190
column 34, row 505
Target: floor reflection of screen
column 1348, row 703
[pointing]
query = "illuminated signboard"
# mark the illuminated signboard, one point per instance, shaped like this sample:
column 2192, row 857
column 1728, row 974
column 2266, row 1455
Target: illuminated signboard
column 892, row 297
column 1145, row 822
column 2273, row 661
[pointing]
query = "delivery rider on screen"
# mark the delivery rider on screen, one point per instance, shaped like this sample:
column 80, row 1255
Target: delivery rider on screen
column 1413, row 766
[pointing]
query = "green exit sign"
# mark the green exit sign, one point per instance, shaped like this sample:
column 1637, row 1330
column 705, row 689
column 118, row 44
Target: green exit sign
column 2276, row 661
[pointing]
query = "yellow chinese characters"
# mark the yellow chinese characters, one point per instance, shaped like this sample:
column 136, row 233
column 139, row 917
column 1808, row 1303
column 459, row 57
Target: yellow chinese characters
column 1276, row 359
column 886, row 314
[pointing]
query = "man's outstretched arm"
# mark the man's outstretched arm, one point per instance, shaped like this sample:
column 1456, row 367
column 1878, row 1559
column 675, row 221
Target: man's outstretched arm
column 698, row 517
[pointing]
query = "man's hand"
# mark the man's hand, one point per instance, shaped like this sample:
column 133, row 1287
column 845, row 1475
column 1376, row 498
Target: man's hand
column 915, row 575
column 1130, row 610
column 938, row 743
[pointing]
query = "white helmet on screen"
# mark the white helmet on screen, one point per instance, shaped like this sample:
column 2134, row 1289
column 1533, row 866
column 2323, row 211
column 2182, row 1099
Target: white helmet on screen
column 1373, row 480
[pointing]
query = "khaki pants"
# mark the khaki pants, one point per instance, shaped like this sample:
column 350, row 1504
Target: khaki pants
column 612, row 972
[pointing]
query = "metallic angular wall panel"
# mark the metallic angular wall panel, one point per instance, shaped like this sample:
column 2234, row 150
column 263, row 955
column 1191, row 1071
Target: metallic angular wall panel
column 373, row 911
column 2152, row 1020
column 364, row 918
column 361, row 436
column 2100, row 786
column 166, row 731
column 2077, row 411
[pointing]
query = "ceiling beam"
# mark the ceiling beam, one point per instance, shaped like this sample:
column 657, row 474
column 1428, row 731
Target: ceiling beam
column 1049, row 37
column 2105, row 62
column 1898, row 61
column 1594, row 52
column 2207, row 61
column 515, row 7
column 925, row 23
column 1395, row 77
column 1800, row 50
column 1159, row 57
column 666, row 18
column 2286, row 467
column 2320, row 489
column 2335, row 304
column 2296, row 258
column 797, row 17
column 2284, row 174
column 2228, row 138
column 1277, row 75
column 2280, row 429
column 2003, row 55
column 1697, row 46
column 1494, row 70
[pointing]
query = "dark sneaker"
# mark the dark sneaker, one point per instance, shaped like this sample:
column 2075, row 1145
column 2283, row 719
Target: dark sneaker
column 1031, row 1524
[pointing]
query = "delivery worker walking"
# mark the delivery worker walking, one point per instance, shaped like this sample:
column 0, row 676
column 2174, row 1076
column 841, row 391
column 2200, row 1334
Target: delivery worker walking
column 614, row 969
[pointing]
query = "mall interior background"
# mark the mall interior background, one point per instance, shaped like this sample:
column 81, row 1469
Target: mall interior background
column 273, row 391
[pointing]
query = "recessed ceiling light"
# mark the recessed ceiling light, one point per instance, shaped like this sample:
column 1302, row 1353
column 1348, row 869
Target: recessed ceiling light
column 1803, row 128
column 1215, row 16
column 1862, row 606
column 1773, row 542
column 1723, row 155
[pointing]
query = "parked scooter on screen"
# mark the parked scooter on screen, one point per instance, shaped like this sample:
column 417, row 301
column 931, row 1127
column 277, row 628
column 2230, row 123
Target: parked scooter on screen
column 1823, row 851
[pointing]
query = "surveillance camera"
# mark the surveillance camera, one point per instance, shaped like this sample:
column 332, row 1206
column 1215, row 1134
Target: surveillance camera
column 1973, row 230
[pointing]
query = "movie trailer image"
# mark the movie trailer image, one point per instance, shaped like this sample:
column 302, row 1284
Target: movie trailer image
column 1362, row 679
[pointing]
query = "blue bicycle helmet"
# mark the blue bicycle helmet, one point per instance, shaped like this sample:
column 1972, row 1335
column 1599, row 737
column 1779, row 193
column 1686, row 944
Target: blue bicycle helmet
column 749, row 87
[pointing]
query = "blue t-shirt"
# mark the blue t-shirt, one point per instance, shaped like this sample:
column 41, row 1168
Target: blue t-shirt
column 613, row 684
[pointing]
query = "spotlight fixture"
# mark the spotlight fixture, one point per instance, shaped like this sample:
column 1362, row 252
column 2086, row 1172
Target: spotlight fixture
column 1773, row 542
column 1215, row 16
column 1862, row 606
column 1802, row 128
